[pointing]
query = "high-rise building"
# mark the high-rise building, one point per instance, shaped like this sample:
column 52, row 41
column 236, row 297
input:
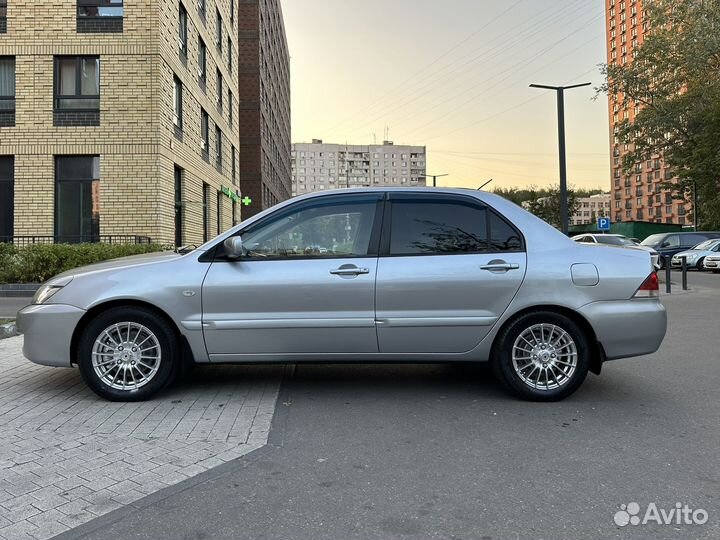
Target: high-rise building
column 264, row 91
column 637, row 196
column 118, row 120
column 317, row 166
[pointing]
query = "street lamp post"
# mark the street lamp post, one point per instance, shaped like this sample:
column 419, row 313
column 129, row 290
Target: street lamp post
column 561, row 143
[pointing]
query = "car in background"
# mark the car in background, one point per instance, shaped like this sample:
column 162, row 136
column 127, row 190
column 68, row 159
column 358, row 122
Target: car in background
column 617, row 240
column 712, row 263
column 669, row 244
column 419, row 275
column 695, row 257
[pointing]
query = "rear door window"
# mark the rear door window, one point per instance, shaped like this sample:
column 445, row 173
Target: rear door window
column 437, row 226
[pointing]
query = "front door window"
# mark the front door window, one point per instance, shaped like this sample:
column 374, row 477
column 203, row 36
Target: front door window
column 342, row 229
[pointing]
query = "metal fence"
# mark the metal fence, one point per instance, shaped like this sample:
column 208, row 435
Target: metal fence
column 22, row 241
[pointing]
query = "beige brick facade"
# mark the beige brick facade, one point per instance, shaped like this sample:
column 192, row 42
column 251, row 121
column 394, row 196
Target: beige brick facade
column 136, row 139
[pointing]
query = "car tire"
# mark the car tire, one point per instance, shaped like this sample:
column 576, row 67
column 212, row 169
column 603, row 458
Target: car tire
column 128, row 354
column 518, row 360
column 700, row 264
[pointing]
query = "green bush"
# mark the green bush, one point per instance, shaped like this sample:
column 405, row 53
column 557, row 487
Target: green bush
column 39, row 262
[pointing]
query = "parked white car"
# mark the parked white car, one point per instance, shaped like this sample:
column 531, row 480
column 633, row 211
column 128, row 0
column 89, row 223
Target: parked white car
column 617, row 240
column 696, row 256
column 712, row 262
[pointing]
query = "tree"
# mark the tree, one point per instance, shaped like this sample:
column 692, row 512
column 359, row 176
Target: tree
column 548, row 207
column 674, row 80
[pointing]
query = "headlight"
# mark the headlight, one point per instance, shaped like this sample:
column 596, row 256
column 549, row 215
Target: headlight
column 45, row 293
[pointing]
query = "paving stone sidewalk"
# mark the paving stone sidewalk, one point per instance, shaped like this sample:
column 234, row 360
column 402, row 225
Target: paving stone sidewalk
column 67, row 456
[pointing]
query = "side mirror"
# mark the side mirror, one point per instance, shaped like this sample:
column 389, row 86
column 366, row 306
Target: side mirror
column 665, row 244
column 234, row 248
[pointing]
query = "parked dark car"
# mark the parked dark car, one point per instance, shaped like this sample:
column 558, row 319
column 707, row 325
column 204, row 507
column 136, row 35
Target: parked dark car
column 668, row 244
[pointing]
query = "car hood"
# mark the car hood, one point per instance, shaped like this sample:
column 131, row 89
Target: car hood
column 689, row 252
column 121, row 263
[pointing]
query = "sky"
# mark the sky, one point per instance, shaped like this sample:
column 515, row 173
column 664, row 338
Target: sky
column 453, row 75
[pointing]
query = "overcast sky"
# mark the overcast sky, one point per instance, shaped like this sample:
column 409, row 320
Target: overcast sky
column 453, row 75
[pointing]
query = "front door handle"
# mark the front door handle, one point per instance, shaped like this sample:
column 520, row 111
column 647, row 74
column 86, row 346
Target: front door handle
column 349, row 270
column 499, row 266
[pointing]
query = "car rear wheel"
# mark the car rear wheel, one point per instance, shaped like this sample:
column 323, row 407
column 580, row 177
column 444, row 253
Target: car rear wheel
column 128, row 354
column 700, row 264
column 542, row 356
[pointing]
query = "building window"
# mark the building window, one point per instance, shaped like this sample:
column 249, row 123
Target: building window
column 202, row 63
column 218, row 214
column 99, row 16
column 77, row 91
column 77, row 199
column 219, row 97
column 233, row 169
column 230, row 54
column 178, row 104
column 183, row 32
column 202, row 9
column 234, row 213
column 178, row 206
column 3, row 16
column 7, row 91
column 7, row 197
column 206, row 212
column 218, row 30
column 218, row 148
column 205, row 134
column 230, row 107
column 232, row 12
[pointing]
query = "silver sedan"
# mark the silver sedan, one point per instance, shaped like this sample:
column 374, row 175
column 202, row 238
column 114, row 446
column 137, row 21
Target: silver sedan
column 370, row 275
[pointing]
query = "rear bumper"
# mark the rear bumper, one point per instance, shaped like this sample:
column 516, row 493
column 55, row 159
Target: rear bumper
column 628, row 327
column 711, row 264
column 48, row 330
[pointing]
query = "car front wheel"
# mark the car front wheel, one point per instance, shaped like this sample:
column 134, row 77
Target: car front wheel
column 127, row 354
column 542, row 356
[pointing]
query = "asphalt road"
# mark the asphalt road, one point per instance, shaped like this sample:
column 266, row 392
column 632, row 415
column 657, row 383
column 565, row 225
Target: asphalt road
column 384, row 452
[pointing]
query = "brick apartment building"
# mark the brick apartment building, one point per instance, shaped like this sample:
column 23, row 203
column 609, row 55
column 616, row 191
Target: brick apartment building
column 637, row 196
column 118, row 120
column 264, row 93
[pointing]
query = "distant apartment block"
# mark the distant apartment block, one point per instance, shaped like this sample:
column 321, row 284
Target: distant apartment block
column 317, row 166
column 264, row 92
column 118, row 120
column 590, row 208
column 637, row 196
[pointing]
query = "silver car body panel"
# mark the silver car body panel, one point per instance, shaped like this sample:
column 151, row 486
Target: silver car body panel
column 423, row 308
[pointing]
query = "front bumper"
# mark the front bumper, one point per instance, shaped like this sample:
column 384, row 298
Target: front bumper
column 627, row 327
column 711, row 264
column 48, row 330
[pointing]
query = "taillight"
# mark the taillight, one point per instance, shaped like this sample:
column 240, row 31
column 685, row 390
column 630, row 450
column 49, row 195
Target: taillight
column 650, row 288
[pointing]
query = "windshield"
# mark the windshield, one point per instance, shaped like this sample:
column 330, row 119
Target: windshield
column 652, row 240
column 706, row 245
column 613, row 240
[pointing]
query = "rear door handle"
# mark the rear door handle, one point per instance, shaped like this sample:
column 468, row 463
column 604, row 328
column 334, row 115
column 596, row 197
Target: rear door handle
column 499, row 266
column 349, row 271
